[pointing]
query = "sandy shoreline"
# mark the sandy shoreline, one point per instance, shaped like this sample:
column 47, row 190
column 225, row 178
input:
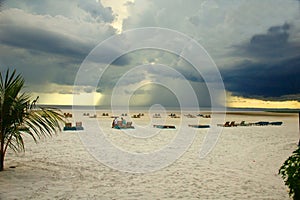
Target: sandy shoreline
column 243, row 165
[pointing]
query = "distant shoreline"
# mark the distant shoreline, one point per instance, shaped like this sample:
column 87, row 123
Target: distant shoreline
column 229, row 110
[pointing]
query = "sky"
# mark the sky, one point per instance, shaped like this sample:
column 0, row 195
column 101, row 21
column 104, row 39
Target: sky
column 254, row 44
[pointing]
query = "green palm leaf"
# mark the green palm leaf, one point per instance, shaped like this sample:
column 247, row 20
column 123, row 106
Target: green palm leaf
column 19, row 117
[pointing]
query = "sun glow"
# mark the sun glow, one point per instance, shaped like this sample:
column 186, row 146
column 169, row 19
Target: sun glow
column 68, row 99
column 240, row 102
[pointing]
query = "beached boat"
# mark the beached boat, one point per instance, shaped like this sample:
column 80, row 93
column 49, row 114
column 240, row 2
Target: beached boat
column 199, row 125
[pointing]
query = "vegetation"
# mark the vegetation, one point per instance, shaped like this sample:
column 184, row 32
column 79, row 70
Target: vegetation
column 19, row 115
column 290, row 172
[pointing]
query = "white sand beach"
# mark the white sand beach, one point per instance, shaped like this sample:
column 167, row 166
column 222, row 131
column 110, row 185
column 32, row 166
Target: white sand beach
column 243, row 165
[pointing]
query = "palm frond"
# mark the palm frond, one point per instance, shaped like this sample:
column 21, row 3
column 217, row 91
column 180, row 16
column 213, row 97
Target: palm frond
column 18, row 118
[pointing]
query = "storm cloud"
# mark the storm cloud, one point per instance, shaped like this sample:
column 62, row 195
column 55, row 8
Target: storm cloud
column 272, row 70
column 48, row 49
column 273, row 45
column 264, row 81
column 255, row 44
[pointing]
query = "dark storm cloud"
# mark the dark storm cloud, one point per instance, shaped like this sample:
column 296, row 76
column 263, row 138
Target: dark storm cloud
column 48, row 49
column 273, row 44
column 263, row 80
column 43, row 40
column 271, row 67
column 275, row 39
column 1, row 4
column 121, row 61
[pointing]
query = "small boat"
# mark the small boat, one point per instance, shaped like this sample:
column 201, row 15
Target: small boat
column 199, row 126
column 164, row 126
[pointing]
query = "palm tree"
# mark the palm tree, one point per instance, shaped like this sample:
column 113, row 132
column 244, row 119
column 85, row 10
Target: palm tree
column 19, row 116
column 290, row 173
